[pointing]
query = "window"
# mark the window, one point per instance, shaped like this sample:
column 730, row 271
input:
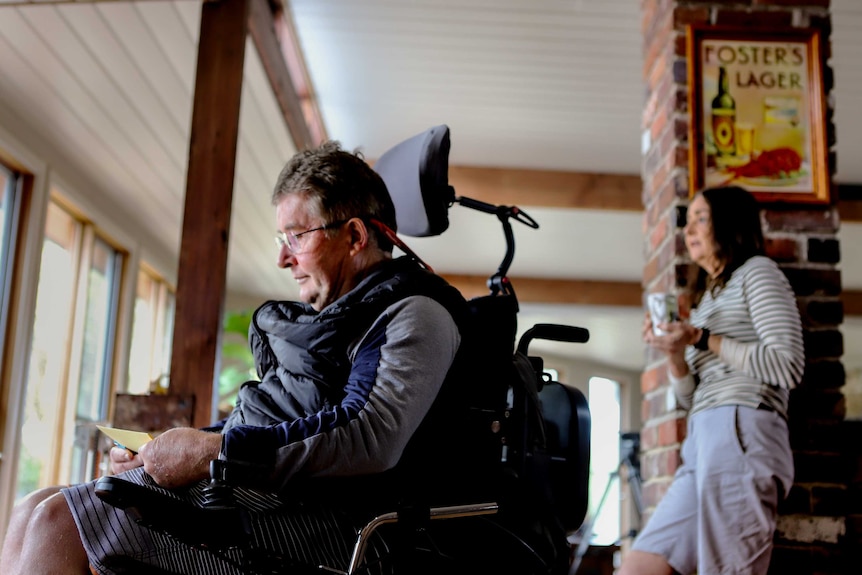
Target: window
column 152, row 333
column 71, row 358
column 8, row 225
column 604, row 400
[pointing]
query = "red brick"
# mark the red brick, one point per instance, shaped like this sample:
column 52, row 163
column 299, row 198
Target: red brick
column 681, row 129
column 667, row 254
column 660, row 70
column 667, row 138
column 816, row 3
column 652, row 160
column 649, row 110
column 658, row 234
column 755, row 19
column 681, row 157
column 813, row 220
column 650, row 271
column 649, row 438
column 654, row 491
column 671, row 432
column 649, row 10
column 654, row 405
column 782, row 249
column 685, row 15
column 682, row 184
column 666, row 167
column 654, row 378
column 658, row 272
column 661, row 118
column 662, row 174
column 661, row 463
column 657, row 12
column 664, row 200
column 658, row 45
column 680, row 45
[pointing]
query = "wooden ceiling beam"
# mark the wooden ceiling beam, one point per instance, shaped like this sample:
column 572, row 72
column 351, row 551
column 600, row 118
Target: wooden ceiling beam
column 556, row 291
column 546, row 188
column 589, row 292
column 584, row 190
column 262, row 28
column 294, row 58
column 852, row 302
column 849, row 202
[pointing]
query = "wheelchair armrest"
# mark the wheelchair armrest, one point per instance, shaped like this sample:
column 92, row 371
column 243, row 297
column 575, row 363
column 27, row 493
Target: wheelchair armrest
column 195, row 526
column 450, row 512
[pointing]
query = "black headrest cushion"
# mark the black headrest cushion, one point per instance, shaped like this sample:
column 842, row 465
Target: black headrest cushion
column 416, row 172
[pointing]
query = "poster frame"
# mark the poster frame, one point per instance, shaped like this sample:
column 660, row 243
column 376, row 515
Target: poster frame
column 812, row 185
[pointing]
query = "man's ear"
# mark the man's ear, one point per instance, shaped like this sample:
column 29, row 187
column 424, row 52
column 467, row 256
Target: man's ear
column 358, row 235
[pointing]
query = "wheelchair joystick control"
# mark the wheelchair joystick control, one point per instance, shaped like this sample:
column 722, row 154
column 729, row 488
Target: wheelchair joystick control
column 219, row 493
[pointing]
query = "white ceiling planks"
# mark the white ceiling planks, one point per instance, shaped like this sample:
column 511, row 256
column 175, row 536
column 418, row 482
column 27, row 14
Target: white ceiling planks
column 520, row 84
column 263, row 148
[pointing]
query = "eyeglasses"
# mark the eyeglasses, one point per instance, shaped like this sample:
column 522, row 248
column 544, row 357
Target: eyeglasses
column 293, row 243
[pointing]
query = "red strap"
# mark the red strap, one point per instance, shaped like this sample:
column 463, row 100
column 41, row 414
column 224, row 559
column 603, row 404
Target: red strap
column 393, row 237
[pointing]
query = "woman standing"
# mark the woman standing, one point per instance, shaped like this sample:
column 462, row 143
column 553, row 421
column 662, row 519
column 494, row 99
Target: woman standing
column 732, row 366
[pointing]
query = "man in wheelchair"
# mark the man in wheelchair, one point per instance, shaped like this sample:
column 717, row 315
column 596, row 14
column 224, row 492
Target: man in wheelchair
column 356, row 409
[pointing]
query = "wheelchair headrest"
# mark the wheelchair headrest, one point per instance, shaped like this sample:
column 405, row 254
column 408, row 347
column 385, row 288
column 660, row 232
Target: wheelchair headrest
column 416, row 172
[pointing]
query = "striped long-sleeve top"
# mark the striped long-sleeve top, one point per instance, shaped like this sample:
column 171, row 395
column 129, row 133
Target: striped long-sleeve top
column 762, row 355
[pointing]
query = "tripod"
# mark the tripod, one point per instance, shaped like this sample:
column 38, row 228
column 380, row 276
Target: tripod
column 629, row 449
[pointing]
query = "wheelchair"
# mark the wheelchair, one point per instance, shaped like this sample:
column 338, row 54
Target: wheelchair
column 522, row 479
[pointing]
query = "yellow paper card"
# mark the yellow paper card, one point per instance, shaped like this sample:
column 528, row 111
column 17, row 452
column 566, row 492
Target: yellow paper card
column 126, row 438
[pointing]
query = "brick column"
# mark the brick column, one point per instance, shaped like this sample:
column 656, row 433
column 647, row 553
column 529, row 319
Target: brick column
column 817, row 531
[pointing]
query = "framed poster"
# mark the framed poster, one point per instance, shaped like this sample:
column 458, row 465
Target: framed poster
column 757, row 113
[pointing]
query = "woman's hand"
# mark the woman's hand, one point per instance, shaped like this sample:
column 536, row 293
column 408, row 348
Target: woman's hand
column 180, row 456
column 677, row 335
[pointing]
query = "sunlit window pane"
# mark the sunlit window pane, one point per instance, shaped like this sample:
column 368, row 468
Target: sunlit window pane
column 5, row 200
column 94, row 379
column 49, row 354
column 167, row 336
column 152, row 333
column 98, row 322
column 143, row 325
column 70, row 363
column 7, row 182
column 604, row 400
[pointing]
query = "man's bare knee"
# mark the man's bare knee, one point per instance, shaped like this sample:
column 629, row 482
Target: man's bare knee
column 643, row 563
column 29, row 502
column 52, row 513
column 52, row 543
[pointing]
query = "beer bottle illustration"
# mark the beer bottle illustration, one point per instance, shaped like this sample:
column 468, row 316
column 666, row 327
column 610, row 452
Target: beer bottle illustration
column 724, row 117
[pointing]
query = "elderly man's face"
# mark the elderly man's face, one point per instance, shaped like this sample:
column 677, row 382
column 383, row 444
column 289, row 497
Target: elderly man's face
column 321, row 264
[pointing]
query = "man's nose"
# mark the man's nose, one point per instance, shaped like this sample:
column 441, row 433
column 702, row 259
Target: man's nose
column 285, row 258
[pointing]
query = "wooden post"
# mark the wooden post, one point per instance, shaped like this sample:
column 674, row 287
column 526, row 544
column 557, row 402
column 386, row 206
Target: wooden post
column 209, row 192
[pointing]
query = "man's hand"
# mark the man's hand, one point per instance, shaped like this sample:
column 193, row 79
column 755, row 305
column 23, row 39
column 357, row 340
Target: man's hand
column 180, row 456
column 122, row 460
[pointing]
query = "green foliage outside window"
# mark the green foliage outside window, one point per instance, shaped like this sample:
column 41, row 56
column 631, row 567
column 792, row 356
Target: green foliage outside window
column 236, row 358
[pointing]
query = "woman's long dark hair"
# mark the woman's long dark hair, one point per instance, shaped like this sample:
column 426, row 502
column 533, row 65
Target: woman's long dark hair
column 735, row 216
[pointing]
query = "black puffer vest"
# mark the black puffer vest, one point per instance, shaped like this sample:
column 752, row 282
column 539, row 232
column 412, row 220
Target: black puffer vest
column 301, row 355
